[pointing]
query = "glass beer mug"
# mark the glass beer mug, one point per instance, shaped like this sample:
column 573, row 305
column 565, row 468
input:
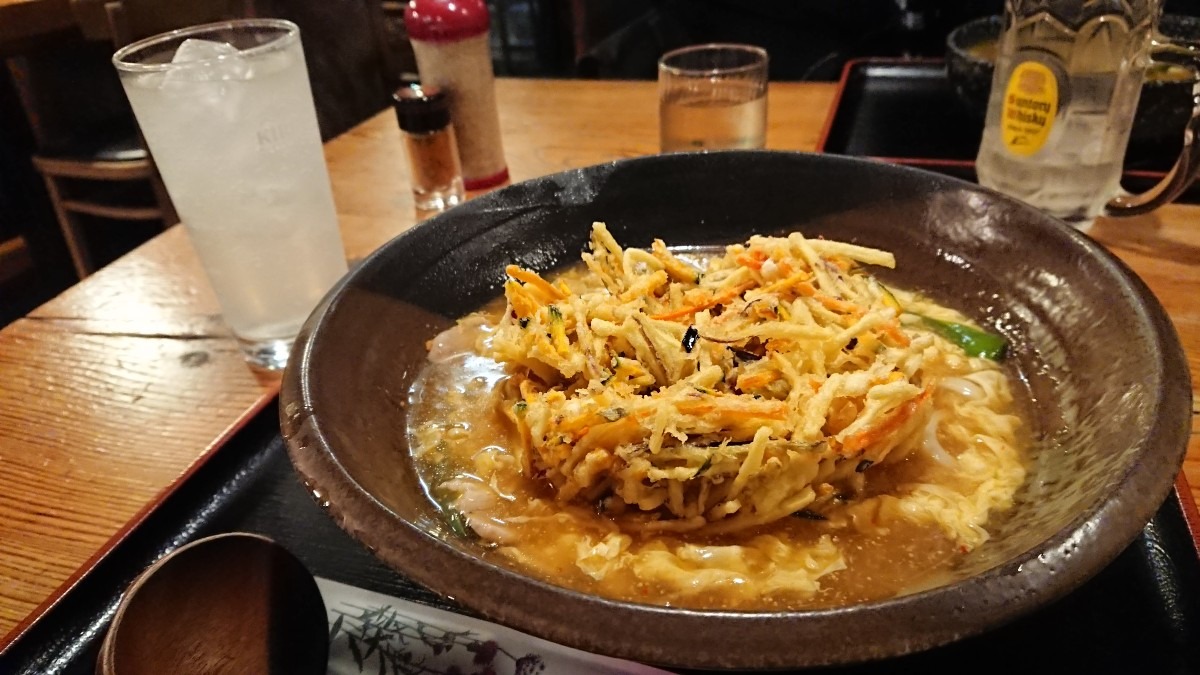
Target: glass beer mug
column 1066, row 85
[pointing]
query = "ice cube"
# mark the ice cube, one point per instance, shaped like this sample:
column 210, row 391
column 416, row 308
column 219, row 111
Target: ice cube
column 199, row 50
column 206, row 61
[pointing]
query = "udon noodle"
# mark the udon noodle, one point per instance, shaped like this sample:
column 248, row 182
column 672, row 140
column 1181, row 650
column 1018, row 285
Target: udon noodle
column 767, row 427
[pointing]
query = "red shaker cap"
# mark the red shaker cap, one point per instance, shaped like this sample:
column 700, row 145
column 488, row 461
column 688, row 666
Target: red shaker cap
column 445, row 20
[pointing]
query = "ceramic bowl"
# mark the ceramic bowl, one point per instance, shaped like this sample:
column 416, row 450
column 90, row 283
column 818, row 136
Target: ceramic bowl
column 971, row 60
column 1163, row 108
column 1101, row 372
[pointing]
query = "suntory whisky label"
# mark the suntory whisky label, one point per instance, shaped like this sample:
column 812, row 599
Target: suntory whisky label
column 1030, row 104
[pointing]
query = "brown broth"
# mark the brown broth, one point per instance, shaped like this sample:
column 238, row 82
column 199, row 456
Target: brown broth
column 985, row 50
column 457, row 429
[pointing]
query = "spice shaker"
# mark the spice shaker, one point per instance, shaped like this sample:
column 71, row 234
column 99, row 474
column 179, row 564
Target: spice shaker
column 424, row 118
column 450, row 41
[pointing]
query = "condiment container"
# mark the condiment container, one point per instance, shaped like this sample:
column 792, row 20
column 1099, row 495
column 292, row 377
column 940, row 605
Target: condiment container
column 450, row 41
column 429, row 141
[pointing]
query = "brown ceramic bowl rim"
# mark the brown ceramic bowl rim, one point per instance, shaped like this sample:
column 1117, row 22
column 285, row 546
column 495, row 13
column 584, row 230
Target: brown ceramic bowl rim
column 932, row 617
column 955, row 37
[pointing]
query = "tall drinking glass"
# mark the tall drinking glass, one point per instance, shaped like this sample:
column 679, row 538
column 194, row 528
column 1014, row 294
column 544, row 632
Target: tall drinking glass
column 227, row 112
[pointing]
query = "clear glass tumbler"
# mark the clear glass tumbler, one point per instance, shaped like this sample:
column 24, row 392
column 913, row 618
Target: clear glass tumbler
column 227, row 112
column 712, row 97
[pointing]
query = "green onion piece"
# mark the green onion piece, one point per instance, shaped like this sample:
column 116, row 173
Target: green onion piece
column 455, row 521
column 458, row 524
column 974, row 342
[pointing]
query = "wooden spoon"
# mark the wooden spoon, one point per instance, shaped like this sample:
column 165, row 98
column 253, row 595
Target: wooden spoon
column 229, row 604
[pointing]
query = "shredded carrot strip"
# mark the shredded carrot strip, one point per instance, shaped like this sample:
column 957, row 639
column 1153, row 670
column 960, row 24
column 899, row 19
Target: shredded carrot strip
column 835, row 305
column 773, row 413
column 887, row 426
column 689, row 310
column 828, row 301
column 788, row 282
column 535, row 280
column 695, row 407
column 757, row 380
column 752, row 259
column 522, row 304
column 580, row 424
column 897, row 336
column 730, row 407
column 683, row 311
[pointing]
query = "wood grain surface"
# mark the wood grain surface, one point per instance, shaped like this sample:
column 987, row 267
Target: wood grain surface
column 113, row 392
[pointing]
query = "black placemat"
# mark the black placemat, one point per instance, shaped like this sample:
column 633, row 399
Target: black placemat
column 1140, row 615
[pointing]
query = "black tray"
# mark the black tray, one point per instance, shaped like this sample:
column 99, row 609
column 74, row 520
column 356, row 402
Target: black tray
column 906, row 112
column 1140, row 615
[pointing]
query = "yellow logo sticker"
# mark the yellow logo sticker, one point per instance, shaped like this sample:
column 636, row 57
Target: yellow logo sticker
column 1030, row 103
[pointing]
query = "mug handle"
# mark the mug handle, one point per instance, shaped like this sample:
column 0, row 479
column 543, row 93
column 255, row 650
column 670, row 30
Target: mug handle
column 1163, row 50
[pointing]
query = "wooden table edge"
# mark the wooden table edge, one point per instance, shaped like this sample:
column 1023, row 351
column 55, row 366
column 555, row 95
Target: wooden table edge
column 105, row 550
column 1191, row 515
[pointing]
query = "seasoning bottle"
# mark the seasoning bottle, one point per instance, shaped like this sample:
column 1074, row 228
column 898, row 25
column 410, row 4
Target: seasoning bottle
column 429, row 142
column 450, row 41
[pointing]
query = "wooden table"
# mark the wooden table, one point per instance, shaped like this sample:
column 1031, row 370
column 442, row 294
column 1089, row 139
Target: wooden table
column 112, row 393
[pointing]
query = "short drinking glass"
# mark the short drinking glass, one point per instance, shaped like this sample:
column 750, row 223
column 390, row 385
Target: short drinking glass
column 227, row 112
column 712, row 97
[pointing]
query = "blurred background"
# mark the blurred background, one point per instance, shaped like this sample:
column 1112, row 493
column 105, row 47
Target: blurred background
column 60, row 98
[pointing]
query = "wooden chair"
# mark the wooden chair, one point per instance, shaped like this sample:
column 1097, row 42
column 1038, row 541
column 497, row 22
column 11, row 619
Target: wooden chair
column 15, row 259
column 136, row 166
column 103, row 160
